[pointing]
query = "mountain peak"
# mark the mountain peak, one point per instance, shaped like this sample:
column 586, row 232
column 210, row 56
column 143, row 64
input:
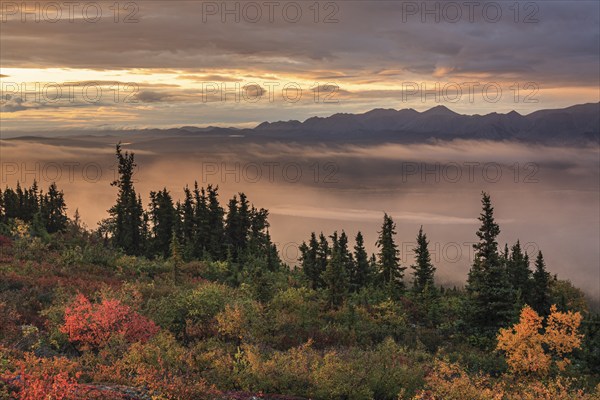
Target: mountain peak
column 440, row 110
column 279, row 124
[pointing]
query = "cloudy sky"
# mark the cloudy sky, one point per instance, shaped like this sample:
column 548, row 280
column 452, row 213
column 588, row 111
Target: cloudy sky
column 94, row 65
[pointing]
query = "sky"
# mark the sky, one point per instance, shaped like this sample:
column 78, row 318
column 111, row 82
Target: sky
column 152, row 63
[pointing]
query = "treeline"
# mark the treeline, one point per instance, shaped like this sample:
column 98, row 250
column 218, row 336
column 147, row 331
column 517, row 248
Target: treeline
column 197, row 228
column 46, row 212
column 498, row 286
column 339, row 271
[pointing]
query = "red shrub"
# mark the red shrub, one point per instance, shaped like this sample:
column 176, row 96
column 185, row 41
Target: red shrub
column 59, row 387
column 93, row 325
column 36, row 378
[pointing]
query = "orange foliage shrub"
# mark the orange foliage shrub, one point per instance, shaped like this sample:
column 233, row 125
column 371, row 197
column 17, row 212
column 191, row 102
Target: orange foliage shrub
column 561, row 334
column 93, row 325
column 451, row 382
column 37, row 378
column 524, row 343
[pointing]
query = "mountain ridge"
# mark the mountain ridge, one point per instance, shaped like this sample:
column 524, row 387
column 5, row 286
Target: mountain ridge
column 577, row 124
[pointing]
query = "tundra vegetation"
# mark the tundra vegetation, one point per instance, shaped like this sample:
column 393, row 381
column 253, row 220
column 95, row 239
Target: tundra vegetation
column 189, row 300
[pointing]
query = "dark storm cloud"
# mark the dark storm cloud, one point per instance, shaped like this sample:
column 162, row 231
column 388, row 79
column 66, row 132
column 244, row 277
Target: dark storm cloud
column 561, row 48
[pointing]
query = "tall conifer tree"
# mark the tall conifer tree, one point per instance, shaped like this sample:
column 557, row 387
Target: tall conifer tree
column 423, row 269
column 216, row 227
column 391, row 272
column 519, row 274
column 126, row 215
column 163, row 218
column 335, row 277
column 490, row 304
column 308, row 260
column 540, row 291
column 363, row 274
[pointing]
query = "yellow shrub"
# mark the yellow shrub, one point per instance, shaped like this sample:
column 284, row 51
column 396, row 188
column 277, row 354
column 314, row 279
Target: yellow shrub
column 524, row 342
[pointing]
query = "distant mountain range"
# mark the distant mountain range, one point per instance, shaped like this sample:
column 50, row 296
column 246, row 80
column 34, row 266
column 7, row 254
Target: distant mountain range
column 579, row 124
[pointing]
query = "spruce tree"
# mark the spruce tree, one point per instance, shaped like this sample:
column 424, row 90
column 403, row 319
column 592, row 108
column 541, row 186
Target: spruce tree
column 505, row 256
column 127, row 214
column 238, row 225
column 363, row 273
column 490, row 304
column 391, row 273
column 245, row 222
column 273, row 261
column 163, row 218
column 178, row 224
column 201, row 236
column 53, row 210
column 423, row 270
column 188, row 223
column 373, row 265
column 216, row 228
column 345, row 255
column 232, row 229
column 335, row 277
column 11, row 204
column 323, row 253
column 30, row 203
column 540, row 292
column 308, row 261
column 519, row 274
column 258, row 240
column 21, row 214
